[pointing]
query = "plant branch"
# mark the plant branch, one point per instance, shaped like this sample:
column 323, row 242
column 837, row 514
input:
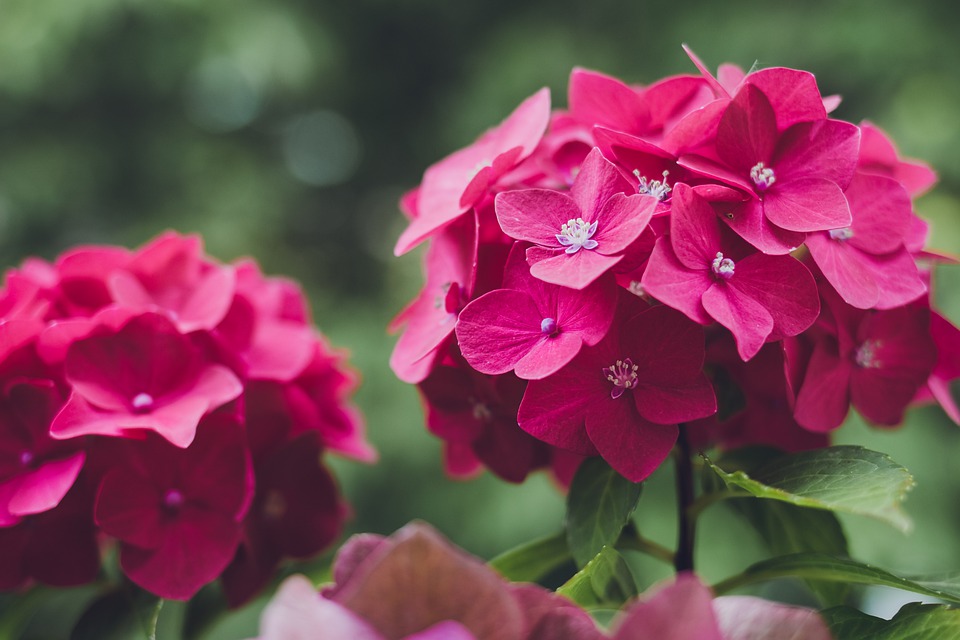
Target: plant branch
column 686, row 520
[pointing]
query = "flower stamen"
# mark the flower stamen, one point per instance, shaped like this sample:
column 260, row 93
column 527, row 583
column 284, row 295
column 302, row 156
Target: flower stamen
column 762, row 176
column 723, row 267
column 623, row 375
column 577, row 234
column 659, row 189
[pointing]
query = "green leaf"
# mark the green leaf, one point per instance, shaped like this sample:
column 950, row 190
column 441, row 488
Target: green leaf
column 914, row 621
column 599, row 504
column 850, row 479
column 605, row 582
column 121, row 614
column 532, row 561
column 786, row 528
column 819, row 566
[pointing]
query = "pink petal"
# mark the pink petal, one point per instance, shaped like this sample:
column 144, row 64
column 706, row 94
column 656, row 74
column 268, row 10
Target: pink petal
column 597, row 182
column 621, row 221
column 882, row 213
column 297, row 611
column 825, row 149
column 536, row 215
column 793, row 94
column 824, row 397
column 748, row 321
column 694, row 229
column 551, row 413
column 750, row 618
column 280, row 350
column 498, row 329
column 784, row 287
column 679, row 611
column 667, row 348
column 574, row 270
column 127, row 508
column 43, row 488
column 598, row 99
column 809, row 204
column 631, row 445
column 548, row 355
column 441, row 197
column 747, row 132
column 673, row 405
column 673, row 284
column 750, row 222
column 447, row 630
column 846, row 269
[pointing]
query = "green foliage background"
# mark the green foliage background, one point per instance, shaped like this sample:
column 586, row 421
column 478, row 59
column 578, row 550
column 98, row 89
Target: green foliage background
column 287, row 130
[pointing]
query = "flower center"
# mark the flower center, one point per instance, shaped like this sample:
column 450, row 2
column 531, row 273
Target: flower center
column 26, row 458
column 481, row 412
column 173, row 500
column 723, row 267
column 274, row 505
column 548, row 326
column 762, row 176
column 659, row 189
column 623, row 375
column 866, row 355
column 142, row 402
column 841, row 234
column 576, row 234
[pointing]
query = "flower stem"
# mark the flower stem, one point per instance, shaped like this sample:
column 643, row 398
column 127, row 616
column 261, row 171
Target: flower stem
column 647, row 546
column 683, row 561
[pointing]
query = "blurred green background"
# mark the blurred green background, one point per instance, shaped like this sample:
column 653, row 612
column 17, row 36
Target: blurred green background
column 287, row 130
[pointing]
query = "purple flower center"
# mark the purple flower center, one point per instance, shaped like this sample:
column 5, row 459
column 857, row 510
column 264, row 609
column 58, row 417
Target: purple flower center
column 659, row 189
column 173, row 500
column 577, row 234
column 841, row 234
column 866, row 354
column 142, row 402
column 548, row 326
column 26, row 458
column 762, row 176
column 623, row 375
column 723, row 267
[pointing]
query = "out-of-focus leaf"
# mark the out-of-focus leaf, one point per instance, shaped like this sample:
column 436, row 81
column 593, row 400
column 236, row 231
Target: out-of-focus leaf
column 533, row 560
column 914, row 621
column 605, row 582
column 598, row 506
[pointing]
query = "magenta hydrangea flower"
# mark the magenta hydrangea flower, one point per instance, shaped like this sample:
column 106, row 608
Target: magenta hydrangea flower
column 531, row 327
column 145, row 375
column 178, row 513
column 867, row 262
column 708, row 277
column 686, row 610
column 416, row 585
column 581, row 235
column 623, row 398
column 796, row 177
column 874, row 360
column 459, row 182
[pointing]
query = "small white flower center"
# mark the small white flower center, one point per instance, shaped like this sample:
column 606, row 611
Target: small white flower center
column 762, row 176
column 26, row 458
column 636, row 288
column 659, row 189
column 576, row 234
column 173, row 499
column 866, row 355
column 142, row 402
column 623, row 375
column 548, row 326
column 723, row 267
column 841, row 234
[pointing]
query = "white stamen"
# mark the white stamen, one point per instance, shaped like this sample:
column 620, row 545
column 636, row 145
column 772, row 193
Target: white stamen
column 142, row 401
column 866, row 355
column 762, row 176
column 659, row 189
column 576, row 234
column 841, row 234
column 723, row 267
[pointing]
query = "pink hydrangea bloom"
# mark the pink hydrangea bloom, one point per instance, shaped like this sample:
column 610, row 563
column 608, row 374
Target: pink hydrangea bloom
column 711, row 277
column 416, row 585
column 623, row 398
column 581, row 235
column 531, row 327
column 457, row 183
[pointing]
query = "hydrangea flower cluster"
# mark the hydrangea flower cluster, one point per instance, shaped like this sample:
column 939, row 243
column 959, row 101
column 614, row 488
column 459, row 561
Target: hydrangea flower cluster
column 172, row 404
column 715, row 251
column 415, row 585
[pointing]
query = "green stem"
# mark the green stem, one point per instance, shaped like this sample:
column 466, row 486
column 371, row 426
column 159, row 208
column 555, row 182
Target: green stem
column 649, row 547
column 686, row 521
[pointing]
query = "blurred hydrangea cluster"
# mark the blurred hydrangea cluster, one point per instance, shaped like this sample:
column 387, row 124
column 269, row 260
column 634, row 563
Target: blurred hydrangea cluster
column 709, row 250
column 170, row 404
